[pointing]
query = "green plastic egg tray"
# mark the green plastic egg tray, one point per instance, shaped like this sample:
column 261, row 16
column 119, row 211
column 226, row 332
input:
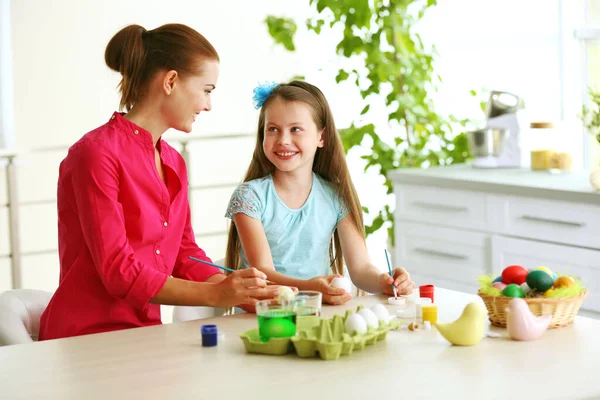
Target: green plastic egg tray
column 318, row 336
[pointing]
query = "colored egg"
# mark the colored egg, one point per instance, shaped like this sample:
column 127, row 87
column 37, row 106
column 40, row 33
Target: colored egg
column 498, row 279
column 499, row 285
column 545, row 269
column 548, row 292
column 525, row 287
column 539, row 280
column 554, row 276
column 564, row 281
column 514, row 274
column 278, row 328
column 513, row 290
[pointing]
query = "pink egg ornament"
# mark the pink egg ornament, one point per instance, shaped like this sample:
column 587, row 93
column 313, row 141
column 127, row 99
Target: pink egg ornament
column 499, row 285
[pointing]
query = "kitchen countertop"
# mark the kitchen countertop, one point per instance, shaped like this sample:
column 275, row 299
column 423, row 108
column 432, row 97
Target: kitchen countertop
column 567, row 186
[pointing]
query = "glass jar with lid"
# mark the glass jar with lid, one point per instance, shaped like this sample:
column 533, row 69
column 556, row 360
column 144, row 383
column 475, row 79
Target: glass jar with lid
column 543, row 139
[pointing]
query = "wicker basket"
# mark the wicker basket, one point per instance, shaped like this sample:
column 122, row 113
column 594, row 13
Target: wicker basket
column 563, row 309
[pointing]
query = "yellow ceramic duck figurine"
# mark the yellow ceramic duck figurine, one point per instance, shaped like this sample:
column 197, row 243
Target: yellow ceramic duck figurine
column 468, row 329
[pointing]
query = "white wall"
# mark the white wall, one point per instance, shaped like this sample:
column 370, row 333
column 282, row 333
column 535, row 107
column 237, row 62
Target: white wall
column 64, row 89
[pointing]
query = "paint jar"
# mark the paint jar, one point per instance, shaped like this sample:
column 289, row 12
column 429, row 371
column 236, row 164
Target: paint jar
column 419, row 306
column 430, row 313
column 426, row 291
column 408, row 313
column 210, row 335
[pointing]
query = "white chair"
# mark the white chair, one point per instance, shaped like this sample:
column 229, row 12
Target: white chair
column 187, row 313
column 20, row 313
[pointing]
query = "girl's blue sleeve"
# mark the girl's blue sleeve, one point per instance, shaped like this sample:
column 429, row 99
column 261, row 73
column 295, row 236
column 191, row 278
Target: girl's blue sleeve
column 246, row 201
column 342, row 210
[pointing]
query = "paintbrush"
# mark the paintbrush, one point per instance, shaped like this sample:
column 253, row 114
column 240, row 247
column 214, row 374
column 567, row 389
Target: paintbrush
column 391, row 274
column 220, row 267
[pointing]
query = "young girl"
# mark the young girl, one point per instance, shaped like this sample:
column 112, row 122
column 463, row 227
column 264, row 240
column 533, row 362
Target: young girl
column 124, row 225
column 297, row 216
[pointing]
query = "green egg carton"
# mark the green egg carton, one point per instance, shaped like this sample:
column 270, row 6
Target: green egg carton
column 318, row 336
column 276, row 346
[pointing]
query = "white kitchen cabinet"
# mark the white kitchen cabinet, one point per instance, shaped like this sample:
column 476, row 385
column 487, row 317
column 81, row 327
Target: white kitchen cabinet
column 446, row 257
column 454, row 224
column 577, row 224
column 441, row 206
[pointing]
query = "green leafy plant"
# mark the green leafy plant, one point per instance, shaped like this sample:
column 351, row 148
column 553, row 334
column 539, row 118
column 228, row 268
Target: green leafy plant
column 396, row 68
column 590, row 115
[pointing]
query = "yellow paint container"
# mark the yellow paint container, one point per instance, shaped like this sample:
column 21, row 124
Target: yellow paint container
column 430, row 313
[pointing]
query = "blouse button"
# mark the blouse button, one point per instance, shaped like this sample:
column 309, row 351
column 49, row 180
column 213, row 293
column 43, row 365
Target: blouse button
column 136, row 132
column 166, row 223
column 157, row 251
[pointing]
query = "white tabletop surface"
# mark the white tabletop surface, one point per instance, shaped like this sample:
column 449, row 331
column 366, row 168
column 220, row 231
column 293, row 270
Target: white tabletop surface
column 168, row 362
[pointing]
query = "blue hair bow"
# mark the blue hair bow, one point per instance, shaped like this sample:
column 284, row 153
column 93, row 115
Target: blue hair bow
column 262, row 92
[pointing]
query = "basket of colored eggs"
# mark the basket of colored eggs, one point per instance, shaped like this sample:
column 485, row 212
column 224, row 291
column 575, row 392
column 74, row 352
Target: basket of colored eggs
column 544, row 291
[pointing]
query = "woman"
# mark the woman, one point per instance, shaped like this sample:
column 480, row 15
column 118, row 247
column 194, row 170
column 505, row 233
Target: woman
column 124, row 224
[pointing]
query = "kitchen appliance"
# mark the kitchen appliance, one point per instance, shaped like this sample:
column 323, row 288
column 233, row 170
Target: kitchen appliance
column 497, row 144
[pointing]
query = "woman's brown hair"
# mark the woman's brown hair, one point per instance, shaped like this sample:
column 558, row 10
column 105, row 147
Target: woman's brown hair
column 138, row 54
column 329, row 164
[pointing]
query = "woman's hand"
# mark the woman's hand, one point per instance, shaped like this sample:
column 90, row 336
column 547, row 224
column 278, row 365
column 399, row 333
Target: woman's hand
column 331, row 295
column 243, row 287
column 251, row 308
column 401, row 279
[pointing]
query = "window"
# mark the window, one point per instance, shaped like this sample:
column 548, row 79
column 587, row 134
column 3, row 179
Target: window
column 589, row 35
column 6, row 82
column 524, row 47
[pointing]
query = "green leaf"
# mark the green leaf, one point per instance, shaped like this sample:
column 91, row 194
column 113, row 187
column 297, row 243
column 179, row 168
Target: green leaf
column 341, row 76
column 282, row 30
column 365, row 110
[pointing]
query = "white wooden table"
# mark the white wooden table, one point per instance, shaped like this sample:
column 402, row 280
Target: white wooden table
column 168, row 362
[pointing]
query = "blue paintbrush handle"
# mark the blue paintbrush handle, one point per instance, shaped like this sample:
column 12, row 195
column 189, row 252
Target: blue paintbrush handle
column 390, row 268
column 211, row 264
column 216, row 266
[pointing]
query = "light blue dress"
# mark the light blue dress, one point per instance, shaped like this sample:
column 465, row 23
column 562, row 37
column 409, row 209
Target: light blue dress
column 299, row 238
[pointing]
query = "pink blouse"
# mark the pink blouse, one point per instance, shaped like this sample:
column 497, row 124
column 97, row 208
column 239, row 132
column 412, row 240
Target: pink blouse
column 121, row 232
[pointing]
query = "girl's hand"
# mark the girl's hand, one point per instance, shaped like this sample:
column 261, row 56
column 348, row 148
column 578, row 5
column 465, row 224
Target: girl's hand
column 401, row 279
column 331, row 295
column 243, row 287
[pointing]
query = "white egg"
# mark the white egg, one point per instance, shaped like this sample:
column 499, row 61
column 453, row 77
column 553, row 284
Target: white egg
column 285, row 294
column 525, row 287
column 369, row 317
column 355, row 323
column 342, row 283
column 381, row 312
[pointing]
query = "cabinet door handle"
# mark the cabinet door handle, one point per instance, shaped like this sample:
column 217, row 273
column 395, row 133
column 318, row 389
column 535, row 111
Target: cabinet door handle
column 440, row 253
column 553, row 221
column 442, row 207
